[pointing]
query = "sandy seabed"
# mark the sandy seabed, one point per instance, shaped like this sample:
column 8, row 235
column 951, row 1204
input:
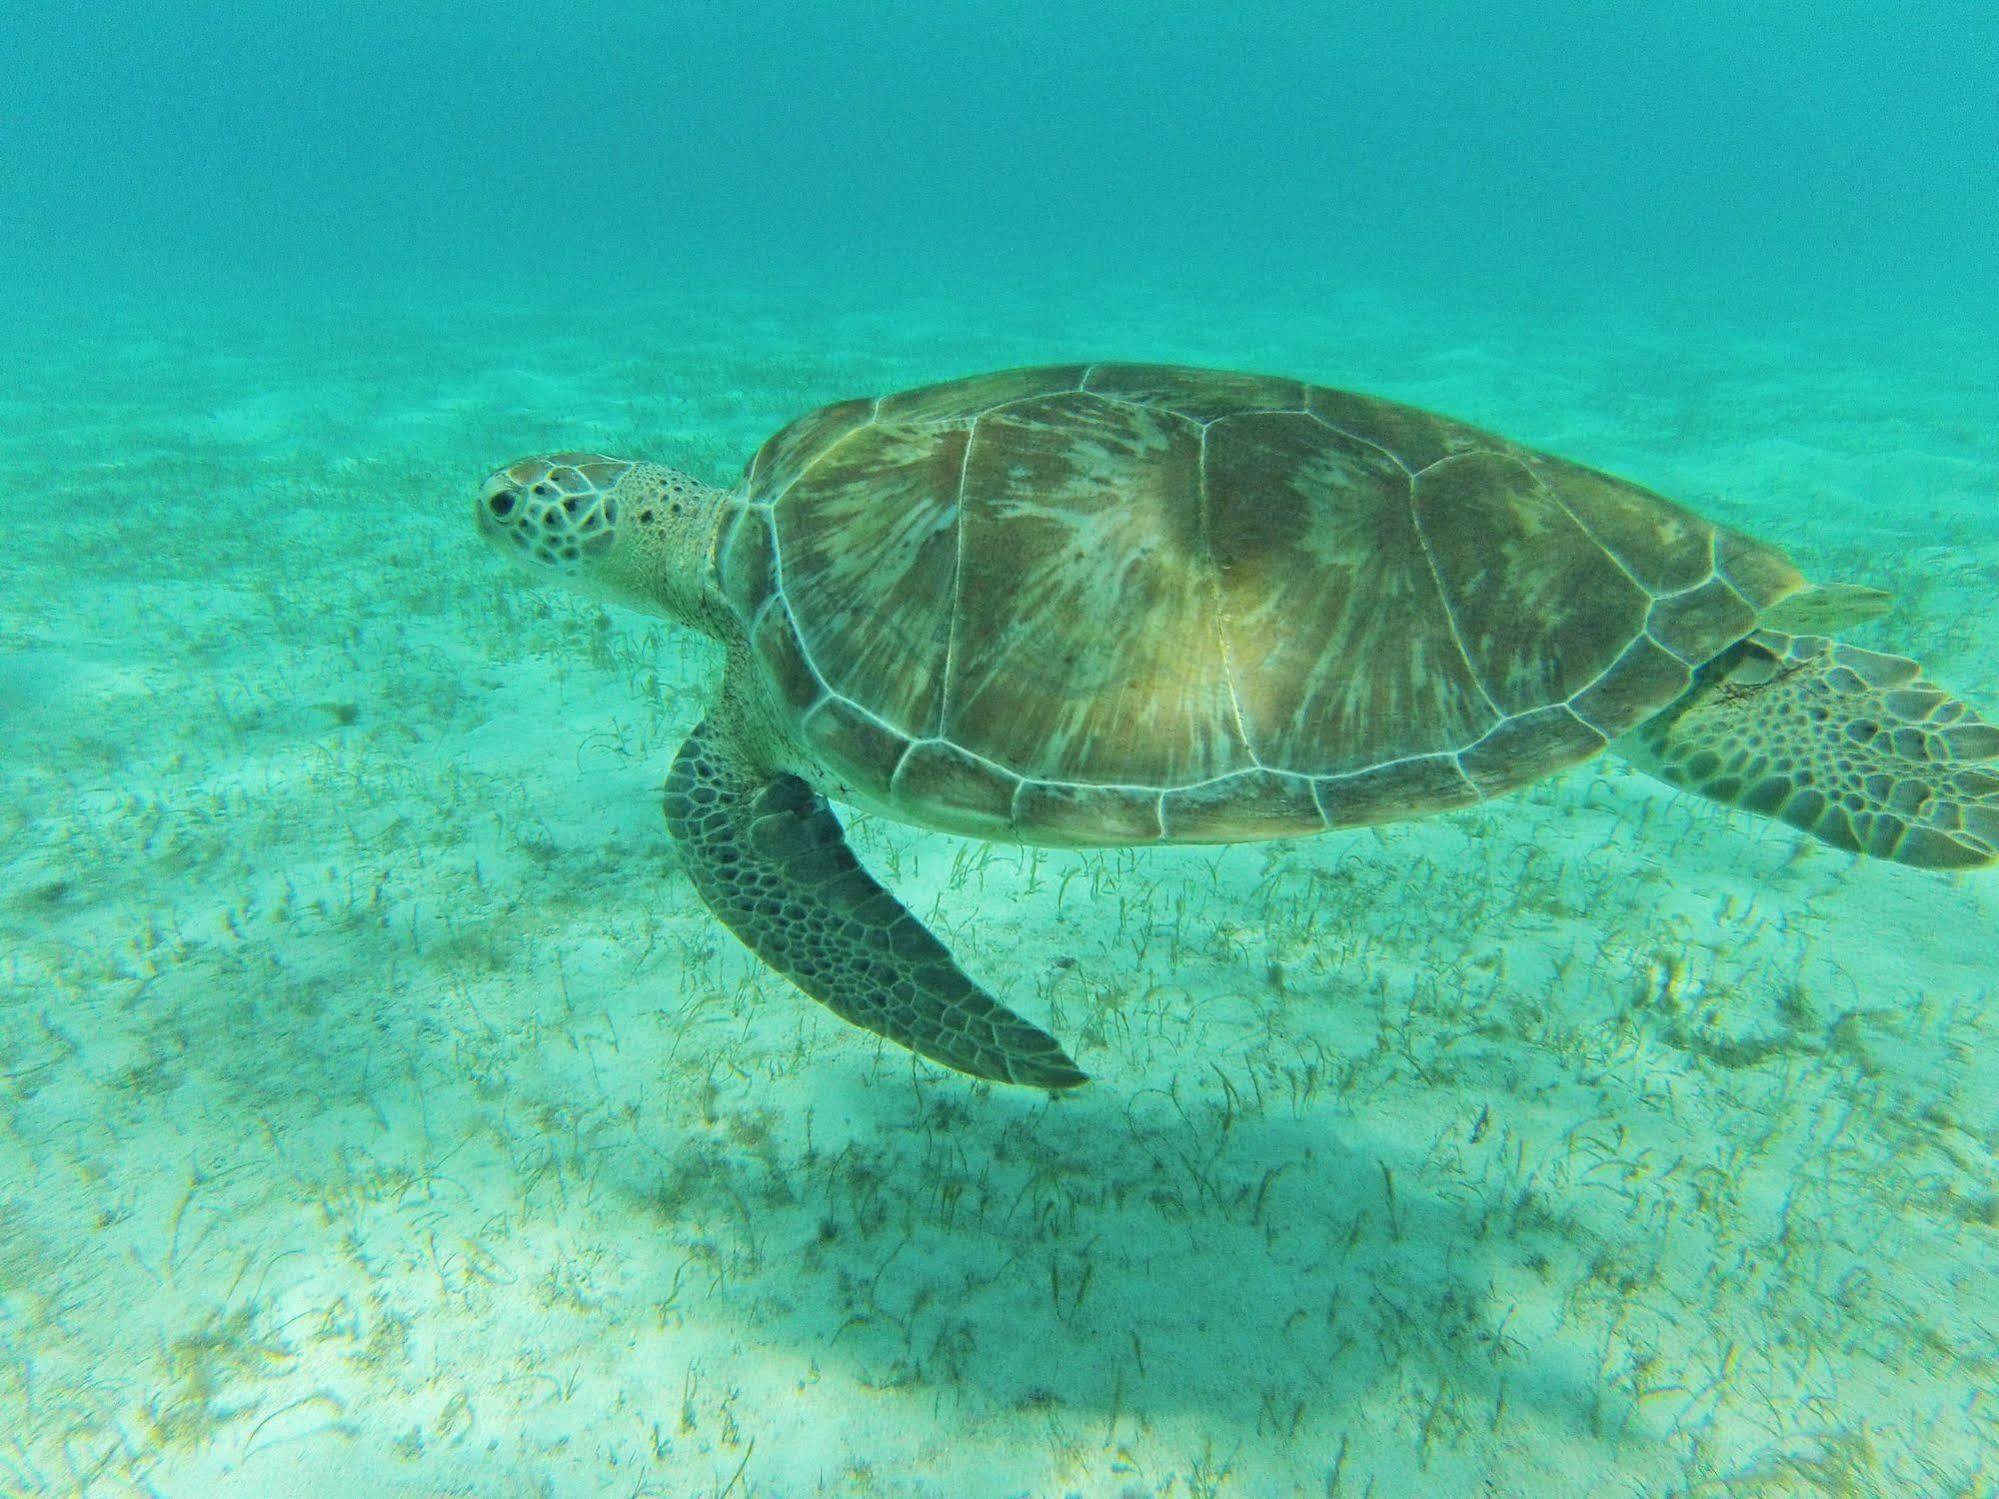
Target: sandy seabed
column 380, row 1113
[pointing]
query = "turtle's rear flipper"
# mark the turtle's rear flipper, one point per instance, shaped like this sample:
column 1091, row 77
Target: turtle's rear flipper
column 768, row 856
column 1853, row 747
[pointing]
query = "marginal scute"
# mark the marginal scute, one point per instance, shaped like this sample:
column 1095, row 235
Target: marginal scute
column 1249, row 804
column 1663, row 545
column 1386, row 793
column 1059, row 812
column 1414, row 438
column 1529, row 747
column 1199, row 395
column 1539, row 608
column 1761, row 573
column 963, row 400
column 1641, row 682
column 854, row 745
column 790, row 451
column 1827, row 609
column 942, row 777
column 1699, row 624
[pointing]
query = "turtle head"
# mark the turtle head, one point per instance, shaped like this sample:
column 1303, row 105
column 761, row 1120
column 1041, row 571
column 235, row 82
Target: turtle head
column 633, row 533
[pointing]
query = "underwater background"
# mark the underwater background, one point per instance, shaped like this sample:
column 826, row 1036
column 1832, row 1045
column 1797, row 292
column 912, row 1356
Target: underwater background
column 380, row 1113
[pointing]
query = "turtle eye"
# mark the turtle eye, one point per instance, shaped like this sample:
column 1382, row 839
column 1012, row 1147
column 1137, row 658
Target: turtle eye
column 502, row 503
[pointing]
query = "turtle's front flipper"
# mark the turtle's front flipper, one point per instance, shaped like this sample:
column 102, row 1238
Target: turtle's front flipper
column 1853, row 747
column 768, row 856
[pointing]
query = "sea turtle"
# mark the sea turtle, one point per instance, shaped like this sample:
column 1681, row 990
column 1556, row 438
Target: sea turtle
column 1118, row 604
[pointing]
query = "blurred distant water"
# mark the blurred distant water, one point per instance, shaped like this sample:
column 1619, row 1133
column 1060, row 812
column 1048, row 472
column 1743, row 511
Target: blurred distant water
column 1758, row 153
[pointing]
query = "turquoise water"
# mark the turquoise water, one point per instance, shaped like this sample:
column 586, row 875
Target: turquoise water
column 380, row 1113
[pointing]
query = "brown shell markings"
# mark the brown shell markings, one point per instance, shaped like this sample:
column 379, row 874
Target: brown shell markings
column 1120, row 603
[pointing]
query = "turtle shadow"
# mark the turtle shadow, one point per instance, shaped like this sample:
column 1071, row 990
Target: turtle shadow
column 1104, row 1261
